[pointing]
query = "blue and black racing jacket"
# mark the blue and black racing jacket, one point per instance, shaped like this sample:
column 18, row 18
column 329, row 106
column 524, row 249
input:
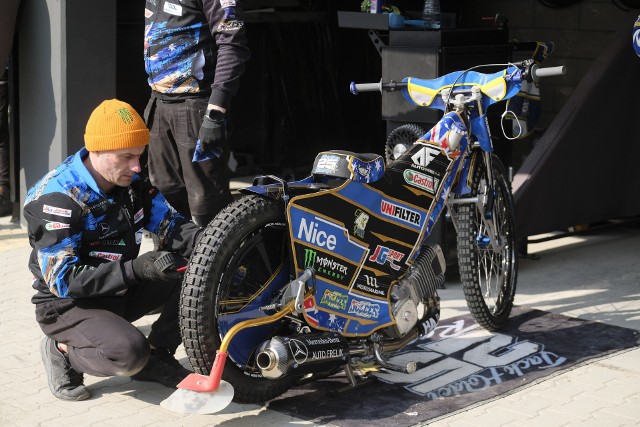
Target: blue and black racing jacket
column 195, row 48
column 83, row 240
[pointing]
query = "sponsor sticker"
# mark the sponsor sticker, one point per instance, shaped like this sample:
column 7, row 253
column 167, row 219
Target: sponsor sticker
column 173, row 9
column 298, row 350
column 52, row 225
column 420, row 180
column 327, row 164
column 364, row 309
column 382, row 255
column 396, row 211
column 360, row 223
column 424, row 156
column 334, row 353
column 324, row 265
column 52, row 210
column 313, row 232
column 371, row 286
column 106, row 255
column 334, row 299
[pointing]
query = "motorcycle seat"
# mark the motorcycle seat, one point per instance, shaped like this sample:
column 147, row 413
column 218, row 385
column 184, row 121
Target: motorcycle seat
column 361, row 167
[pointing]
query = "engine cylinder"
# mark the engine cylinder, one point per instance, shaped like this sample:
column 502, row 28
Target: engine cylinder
column 302, row 354
column 415, row 297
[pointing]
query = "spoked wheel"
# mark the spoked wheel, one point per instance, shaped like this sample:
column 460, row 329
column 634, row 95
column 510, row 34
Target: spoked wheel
column 488, row 265
column 405, row 135
column 238, row 266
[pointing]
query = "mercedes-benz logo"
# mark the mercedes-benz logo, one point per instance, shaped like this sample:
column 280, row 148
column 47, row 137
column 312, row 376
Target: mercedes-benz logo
column 104, row 228
column 299, row 351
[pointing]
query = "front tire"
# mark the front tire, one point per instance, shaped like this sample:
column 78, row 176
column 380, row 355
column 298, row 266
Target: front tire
column 488, row 275
column 237, row 266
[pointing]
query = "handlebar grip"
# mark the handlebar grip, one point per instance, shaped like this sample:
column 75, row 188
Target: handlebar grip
column 354, row 87
column 538, row 73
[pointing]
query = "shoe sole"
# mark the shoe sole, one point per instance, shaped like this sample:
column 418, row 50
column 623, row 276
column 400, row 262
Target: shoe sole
column 44, row 353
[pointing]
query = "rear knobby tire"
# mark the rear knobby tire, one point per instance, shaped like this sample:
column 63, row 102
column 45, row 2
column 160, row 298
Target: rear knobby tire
column 405, row 134
column 238, row 253
column 488, row 276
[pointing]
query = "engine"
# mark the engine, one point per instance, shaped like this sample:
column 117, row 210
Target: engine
column 415, row 298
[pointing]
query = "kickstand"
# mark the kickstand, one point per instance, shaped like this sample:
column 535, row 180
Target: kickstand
column 354, row 382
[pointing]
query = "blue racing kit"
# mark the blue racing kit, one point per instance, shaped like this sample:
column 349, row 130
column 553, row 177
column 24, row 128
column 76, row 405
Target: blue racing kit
column 84, row 240
column 195, row 47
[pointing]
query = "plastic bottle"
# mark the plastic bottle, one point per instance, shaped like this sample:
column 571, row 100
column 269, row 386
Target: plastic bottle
column 376, row 6
column 431, row 14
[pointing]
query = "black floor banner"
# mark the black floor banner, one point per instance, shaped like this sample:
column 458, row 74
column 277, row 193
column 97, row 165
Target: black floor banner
column 459, row 364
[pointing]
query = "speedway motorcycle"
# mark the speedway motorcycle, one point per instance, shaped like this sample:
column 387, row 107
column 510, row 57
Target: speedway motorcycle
column 297, row 280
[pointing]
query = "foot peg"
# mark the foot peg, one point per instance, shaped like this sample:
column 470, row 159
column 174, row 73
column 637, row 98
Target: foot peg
column 409, row 368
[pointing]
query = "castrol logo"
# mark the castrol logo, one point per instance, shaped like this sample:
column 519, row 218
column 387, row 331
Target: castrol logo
column 420, row 180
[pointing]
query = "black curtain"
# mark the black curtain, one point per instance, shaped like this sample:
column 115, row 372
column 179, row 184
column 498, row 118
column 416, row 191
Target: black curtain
column 584, row 169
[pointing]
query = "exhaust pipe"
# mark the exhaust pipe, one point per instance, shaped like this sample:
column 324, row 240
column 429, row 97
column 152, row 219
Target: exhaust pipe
column 302, row 354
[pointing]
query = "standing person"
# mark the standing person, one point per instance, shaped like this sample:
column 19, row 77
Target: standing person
column 85, row 222
column 195, row 52
column 8, row 24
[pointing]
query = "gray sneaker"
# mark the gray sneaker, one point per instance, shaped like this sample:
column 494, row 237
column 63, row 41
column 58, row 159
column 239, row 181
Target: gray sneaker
column 64, row 382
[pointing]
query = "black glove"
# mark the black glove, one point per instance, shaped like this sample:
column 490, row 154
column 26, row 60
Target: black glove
column 156, row 266
column 213, row 132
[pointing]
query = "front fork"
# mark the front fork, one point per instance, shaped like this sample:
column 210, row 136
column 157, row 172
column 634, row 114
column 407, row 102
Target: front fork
column 484, row 201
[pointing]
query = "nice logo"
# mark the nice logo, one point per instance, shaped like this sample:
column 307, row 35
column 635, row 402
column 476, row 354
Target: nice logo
column 311, row 232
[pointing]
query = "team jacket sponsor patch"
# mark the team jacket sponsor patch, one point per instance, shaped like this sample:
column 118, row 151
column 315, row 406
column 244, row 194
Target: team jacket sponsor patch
column 232, row 25
column 173, row 9
column 52, row 225
column 56, row 211
column 106, row 255
column 138, row 216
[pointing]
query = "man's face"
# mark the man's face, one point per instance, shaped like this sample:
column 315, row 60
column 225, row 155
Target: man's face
column 118, row 166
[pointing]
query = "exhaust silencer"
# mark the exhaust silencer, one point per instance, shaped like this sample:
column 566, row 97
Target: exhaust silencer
column 302, row 354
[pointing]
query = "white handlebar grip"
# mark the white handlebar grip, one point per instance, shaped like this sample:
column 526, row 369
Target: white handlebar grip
column 538, row 73
column 365, row 87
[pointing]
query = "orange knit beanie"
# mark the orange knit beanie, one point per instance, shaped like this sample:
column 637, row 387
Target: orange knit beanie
column 115, row 125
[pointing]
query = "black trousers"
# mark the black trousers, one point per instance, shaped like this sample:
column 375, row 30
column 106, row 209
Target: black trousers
column 197, row 190
column 100, row 338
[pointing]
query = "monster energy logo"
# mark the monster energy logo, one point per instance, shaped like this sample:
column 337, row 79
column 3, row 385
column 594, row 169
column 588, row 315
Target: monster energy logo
column 125, row 115
column 309, row 257
column 324, row 265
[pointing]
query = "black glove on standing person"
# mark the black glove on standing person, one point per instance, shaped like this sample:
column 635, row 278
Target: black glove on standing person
column 156, row 265
column 213, row 132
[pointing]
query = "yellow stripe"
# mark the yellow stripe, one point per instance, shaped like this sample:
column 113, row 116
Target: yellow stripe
column 421, row 95
column 496, row 89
